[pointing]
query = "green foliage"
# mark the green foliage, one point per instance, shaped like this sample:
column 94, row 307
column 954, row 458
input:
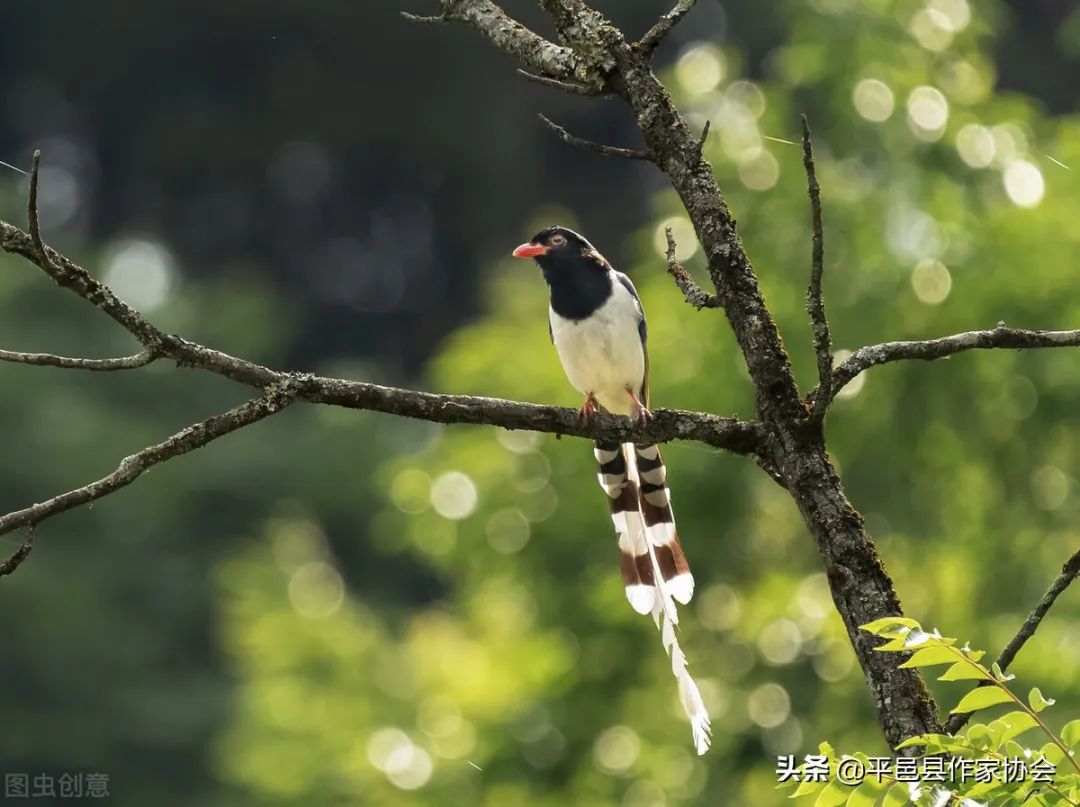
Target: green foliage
column 1013, row 771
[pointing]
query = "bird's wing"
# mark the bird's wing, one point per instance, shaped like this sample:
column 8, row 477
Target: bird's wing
column 643, row 332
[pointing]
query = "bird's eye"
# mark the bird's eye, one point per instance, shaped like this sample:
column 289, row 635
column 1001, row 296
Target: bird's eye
column 558, row 240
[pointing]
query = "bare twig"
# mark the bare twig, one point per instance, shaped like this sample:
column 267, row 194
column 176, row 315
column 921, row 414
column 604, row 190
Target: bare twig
column 815, row 303
column 132, row 467
column 589, row 145
column 655, row 35
column 425, row 20
column 694, row 294
column 140, row 359
column 1069, row 572
column 20, row 554
column 572, row 87
column 1000, row 337
column 32, row 208
column 702, row 139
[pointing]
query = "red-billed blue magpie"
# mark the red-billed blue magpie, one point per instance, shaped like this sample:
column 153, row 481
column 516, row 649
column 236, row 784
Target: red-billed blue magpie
column 598, row 328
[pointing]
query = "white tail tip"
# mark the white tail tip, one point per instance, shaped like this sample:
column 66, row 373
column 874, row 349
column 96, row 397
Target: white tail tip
column 642, row 597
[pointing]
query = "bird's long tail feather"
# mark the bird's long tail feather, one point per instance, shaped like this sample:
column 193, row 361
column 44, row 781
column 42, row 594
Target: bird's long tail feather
column 655, row 570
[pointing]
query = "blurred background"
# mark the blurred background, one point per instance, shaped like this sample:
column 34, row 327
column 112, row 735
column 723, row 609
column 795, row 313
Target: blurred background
column 336, row 607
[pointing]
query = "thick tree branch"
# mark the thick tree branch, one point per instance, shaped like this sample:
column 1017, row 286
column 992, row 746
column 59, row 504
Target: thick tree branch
column 589, row 145
column 140, row 359
column 1000, row 337
column 1069, row 572
column 815, row 303
column 694, row 294
column 510, row 36
column 655, row 35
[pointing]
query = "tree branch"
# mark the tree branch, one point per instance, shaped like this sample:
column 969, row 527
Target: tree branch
column 20, row 554
column 1069, row 572
column 1000, row 337
column 815, row 303
column 589, row 145
column 728, row 433
column 132, row 467
column 694, row 294
column 572, row 87
column 738, row 436
column 655, row 35
column 510, row 36
column 32, row 208
column 140, row 359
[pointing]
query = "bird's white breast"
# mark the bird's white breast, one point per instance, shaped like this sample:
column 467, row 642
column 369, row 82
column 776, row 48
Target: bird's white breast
column 602, row 354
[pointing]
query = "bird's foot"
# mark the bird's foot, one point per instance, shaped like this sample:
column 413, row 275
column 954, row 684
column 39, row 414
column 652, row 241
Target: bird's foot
column 640, row 412
column 588, row 409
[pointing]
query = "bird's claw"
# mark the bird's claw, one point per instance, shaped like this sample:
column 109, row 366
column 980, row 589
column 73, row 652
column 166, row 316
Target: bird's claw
column 588, row 409
column 641, row 414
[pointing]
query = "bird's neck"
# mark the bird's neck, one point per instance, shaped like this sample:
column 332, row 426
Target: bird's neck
column 576, row 291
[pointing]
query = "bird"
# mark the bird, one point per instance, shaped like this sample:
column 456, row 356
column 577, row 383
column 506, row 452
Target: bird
column 597, row 324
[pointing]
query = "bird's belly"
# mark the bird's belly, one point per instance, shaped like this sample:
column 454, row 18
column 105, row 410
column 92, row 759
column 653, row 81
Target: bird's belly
column 602, row 356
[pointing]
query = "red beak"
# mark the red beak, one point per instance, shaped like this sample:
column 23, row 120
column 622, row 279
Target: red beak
column 530, row 251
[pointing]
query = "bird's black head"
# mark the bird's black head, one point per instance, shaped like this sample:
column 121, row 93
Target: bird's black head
column 575, row 271
column 558, row 247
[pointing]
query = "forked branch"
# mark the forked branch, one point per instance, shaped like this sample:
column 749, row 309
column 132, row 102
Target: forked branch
column 655, row 35
column 132, row 467
column 283, row 388
column 815, row 302
column 999, row 338
column 694, row 294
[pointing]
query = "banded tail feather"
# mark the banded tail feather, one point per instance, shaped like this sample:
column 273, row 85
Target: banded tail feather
column 634, row 555
column 654, row 568
column 660, row 522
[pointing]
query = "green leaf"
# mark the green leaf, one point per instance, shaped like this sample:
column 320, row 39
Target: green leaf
column 962, row 671
column 834, row 795
column 1000, row 674
column 978, row 735
column 997, row 729
column 1037, row 701
column 981, row 698
column 925, row 739
column 894, row 645
column 806, row 788
column 889, row 624
column 1070, row 733
column 897, row 796
column 1016, row 723
column 931, row 657
column 865, row 795
column 1052, row 753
